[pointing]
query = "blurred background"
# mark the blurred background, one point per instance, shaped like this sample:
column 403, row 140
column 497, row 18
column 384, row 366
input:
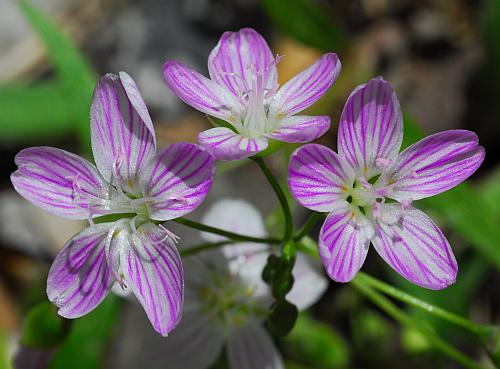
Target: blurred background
column 443, row 59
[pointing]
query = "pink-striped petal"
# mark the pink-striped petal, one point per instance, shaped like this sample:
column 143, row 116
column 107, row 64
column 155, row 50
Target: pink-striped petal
column 152, row 266
column 80, row 278
column 177, row 180
column 416, row 248
column 123, row 137
column 371, row 126
column 225, row 144
column 250, row 346
column 300, row 128
column 306, row 87
column 200, row 92
column 318, row 177
column 342, row 246
column 435, row 164
column 60, row 182
column 239, row 59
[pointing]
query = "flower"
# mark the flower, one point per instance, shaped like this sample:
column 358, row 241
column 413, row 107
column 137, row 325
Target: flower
column 132, row 188
column 226, row 299
column 243, row 91
column 368, row 189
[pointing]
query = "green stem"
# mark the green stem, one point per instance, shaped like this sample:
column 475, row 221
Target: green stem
column 405, row 319
column 478, row 329
column 287, row 214
column 233, row 236
column 204, row 247
column 308, row 225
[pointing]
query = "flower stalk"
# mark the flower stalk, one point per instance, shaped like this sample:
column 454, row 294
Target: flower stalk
column 287, row 214
column 478, row 329
column 231, row 235
column 405, row 319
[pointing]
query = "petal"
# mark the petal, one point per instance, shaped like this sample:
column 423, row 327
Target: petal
column 318, row 177
column 59, row 182
column 250, row 347
column 239, row 58
column 235, row 215
column 195, row 344
column 245, row 259
column 300, row 128
column 225, row 144
column 342, row 246
column 416, row 248
column 200, row 92
column 371, row 126
column 177, row 180
column 80, row 278
column 436, row 164
column 310, row 283
column 123, row 137
column 306, row 87
column 152, row 265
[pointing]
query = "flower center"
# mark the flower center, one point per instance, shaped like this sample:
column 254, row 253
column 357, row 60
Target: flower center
column 253, row 121
column 224, row 295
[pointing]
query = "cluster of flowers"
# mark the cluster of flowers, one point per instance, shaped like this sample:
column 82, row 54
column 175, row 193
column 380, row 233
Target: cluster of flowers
column 367, row 188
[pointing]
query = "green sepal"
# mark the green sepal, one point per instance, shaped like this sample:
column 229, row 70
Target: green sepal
column 282, row 317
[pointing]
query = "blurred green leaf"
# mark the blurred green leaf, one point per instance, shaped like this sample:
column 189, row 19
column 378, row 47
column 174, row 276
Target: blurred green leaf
column 76, row 76
column 43, row 328
column 489, row 191
column 37, row 111
column 306, row 21
column 414, row 341
column 314, row 344
column 491, row 33
column 87, row 342
column 5, row 361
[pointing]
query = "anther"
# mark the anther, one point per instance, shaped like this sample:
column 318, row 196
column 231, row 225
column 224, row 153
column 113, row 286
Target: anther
column 405, row 204
column 169, row 233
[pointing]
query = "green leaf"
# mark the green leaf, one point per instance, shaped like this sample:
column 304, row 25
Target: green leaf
column 38, row 111
column 314, row 344
column 86, row 344
column 306, row 21
column 43, row 328
column 489, row 191
column 4, row 351
column 76, row 76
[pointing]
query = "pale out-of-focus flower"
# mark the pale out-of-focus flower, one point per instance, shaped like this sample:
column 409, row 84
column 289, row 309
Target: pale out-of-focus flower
column 227, row 301
column 368, row 189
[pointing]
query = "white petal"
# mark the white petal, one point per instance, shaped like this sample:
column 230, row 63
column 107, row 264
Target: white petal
column 251, row 347
column 310, row 283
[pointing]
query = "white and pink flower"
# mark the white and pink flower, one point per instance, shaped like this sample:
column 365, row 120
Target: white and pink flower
column 243, row 91
column 133, row 189
column 368, row 189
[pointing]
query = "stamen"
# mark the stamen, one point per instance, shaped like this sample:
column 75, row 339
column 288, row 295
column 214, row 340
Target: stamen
column 170, row 234
column 364, row 183
column 406, row 204
column 178, row 198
